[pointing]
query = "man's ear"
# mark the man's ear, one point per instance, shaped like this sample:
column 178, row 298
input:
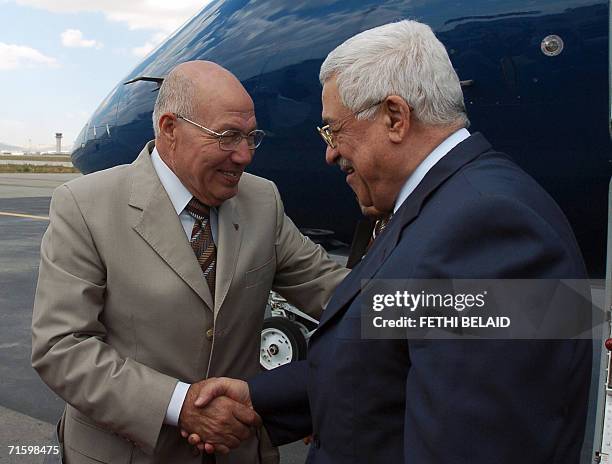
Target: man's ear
column 167, row 127
column 397, row 118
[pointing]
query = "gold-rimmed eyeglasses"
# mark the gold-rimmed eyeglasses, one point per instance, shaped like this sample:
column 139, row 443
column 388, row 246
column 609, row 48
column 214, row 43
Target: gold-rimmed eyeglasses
column 231, row 138
column 327, row 133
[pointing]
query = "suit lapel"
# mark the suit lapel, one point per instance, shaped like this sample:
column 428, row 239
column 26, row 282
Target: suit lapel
column 364, row 270
column 361, row 240
column 462, row 154
column 161, row 228
column 228, row 246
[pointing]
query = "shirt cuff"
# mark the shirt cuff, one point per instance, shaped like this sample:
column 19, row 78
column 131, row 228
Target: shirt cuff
column 176, row 403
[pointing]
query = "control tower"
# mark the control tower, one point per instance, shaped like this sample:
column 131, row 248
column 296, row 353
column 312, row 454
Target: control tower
column 58, row 142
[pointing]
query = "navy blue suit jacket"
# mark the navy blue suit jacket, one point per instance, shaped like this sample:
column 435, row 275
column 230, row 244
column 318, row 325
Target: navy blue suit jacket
column 476, row 214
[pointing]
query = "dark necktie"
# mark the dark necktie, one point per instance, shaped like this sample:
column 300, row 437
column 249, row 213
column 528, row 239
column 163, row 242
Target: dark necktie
column 202, row 241
column 380, row 226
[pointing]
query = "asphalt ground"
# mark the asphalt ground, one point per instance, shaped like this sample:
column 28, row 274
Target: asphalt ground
column 28, row 409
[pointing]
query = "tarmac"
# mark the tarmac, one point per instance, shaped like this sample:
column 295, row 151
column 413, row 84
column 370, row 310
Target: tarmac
column 29, row 410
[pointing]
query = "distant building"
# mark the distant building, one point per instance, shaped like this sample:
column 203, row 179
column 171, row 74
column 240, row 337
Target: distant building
column 58, row 142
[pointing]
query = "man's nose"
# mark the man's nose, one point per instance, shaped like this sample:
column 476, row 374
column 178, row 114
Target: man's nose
column 242, row 155
column 331, row 155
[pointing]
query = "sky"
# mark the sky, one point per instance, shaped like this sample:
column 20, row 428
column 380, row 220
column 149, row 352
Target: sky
column 60, row 58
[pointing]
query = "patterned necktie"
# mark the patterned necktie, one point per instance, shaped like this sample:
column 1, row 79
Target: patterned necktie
column 380, row 226
column 202, row 241
column 378, row 229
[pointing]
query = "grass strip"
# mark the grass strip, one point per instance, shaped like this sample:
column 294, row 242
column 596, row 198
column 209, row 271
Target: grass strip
column 35, row 158
column 19, row 168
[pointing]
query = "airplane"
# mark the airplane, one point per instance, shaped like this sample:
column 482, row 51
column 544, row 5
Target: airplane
column 536, row 81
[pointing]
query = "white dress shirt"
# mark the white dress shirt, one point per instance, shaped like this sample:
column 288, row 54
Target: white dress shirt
column 179, row 197
column 429, row 162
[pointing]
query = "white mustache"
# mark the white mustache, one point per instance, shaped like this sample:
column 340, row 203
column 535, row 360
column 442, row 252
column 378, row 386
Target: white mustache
column 344, row 164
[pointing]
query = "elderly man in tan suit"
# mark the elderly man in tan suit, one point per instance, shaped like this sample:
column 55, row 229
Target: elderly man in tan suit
column 155, row 275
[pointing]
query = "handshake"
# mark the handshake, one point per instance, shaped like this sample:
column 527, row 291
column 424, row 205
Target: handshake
column 217, row 415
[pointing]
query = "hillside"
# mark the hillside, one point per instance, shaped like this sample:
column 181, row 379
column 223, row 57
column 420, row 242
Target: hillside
column 7, row 147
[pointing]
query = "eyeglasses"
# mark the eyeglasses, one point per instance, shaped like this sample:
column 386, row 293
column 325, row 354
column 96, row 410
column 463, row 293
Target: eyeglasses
column 327, row 133
column 230, row 139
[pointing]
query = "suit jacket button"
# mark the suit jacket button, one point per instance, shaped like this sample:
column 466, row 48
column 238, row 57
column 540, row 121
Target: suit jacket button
column 209, row 333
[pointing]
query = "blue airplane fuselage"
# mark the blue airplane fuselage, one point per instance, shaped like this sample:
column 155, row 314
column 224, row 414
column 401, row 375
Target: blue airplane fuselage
column 549, row 111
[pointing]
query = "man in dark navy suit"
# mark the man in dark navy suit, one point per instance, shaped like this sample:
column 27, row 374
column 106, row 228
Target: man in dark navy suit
column 396, row 125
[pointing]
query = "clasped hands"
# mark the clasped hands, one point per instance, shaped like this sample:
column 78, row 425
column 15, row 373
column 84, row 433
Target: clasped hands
column 217, row 415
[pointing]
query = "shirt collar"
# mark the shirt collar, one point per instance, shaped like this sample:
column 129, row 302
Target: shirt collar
column 178, row 194
column 429, row 162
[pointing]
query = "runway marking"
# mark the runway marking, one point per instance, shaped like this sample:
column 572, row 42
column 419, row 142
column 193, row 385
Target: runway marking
column 27, row 216
column 4, row 346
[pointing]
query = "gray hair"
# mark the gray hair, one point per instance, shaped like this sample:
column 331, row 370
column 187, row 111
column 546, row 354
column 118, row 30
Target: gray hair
column 403, row 58
column 176, row 95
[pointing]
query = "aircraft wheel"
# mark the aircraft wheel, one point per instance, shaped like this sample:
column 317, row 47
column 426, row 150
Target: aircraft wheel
column 282, row 341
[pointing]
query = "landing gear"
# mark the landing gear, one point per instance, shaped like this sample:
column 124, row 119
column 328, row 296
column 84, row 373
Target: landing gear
column 282, row 342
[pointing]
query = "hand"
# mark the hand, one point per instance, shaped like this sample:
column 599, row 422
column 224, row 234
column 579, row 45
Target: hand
column 237, row 390
column 212, row 389
column 221, row 421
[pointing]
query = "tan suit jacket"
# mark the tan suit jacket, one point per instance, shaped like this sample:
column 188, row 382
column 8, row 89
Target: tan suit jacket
column 122, row 311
